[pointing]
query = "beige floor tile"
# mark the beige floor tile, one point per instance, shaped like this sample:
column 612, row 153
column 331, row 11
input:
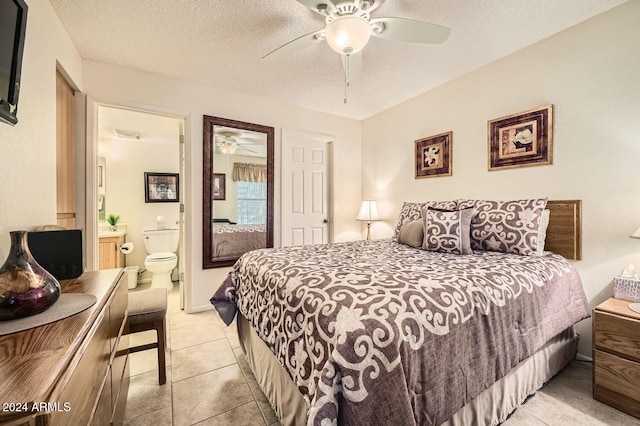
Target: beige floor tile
column 144, row 337
column 570, row 409
column 243, row 363
column 202, row 397
column 245, row 415
column 146, row 395
column 145, row 361
column 262, row 401
column 182, row 319
column 156, row 418
column 522, row 418
column 199, row 359
column 184, row 337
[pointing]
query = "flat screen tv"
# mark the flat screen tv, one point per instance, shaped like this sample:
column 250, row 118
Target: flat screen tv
column 13, row 25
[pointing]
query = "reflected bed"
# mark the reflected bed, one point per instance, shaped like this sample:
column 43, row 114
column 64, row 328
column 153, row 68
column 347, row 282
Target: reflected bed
column 232, row 241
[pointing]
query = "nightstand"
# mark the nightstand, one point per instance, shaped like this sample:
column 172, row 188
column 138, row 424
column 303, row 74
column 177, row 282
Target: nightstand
column 616, row 356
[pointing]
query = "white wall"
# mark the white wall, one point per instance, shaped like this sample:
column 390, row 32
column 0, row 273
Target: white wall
column 127, row 161
column 590, row 73
column 28, row 150
column 120, row 86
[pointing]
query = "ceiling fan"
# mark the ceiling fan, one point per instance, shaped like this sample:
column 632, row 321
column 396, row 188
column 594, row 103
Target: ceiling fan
column 228, row 142
column 348, row 27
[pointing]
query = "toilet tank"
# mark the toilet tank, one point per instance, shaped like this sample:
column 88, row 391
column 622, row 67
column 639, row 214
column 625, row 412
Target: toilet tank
column 161, row 240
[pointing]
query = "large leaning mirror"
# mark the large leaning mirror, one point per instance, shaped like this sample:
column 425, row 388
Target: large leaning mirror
column 237, row 199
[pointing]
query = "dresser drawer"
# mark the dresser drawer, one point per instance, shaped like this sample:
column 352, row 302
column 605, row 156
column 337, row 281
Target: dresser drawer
column 88, row 376
column 615, row 382
column 118, row 310
column 617, row 334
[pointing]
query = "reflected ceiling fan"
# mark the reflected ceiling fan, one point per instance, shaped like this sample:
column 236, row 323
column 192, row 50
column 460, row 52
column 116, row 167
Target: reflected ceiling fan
column 349, row 26
column 229, row 141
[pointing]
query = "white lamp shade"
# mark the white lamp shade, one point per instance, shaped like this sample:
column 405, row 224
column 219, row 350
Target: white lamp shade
column 636, row 234
column 348, row 34
column 368, row 211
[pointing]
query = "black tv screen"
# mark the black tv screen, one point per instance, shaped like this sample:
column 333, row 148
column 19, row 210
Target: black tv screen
column 13, row 24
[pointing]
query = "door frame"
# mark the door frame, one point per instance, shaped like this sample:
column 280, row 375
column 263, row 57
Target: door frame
column 90, row 107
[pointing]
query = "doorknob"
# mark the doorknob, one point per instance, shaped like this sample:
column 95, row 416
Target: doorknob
column 325, row 221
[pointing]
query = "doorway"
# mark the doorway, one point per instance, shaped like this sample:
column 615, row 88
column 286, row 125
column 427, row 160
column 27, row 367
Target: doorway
column 306, row 192
column 137, row 151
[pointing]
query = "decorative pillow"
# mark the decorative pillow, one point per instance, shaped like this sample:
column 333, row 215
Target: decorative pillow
column 505, row 226
column 542, row 231
column 412, row 234
column 413, row 211
column 447, row 231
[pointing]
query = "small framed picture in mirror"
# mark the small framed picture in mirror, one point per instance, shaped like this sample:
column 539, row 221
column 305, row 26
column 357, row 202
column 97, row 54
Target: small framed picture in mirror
column 218, row 186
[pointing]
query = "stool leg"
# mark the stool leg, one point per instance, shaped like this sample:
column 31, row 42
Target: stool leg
column 162, row 369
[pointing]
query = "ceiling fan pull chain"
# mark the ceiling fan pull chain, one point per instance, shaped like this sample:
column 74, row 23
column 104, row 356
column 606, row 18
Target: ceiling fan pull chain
column 346, row 76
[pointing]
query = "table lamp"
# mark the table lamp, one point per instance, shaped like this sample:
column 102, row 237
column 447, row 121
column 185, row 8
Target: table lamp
column 368, row 212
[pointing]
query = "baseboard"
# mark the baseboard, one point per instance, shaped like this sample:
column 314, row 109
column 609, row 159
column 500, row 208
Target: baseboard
column 580, row 357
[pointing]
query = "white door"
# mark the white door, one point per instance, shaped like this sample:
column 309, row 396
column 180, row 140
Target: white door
column 305, row 188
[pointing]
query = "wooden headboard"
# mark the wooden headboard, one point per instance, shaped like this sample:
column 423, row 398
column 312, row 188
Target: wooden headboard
column 564, row 234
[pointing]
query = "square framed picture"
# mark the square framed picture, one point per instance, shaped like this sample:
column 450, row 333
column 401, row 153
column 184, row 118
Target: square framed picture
column 520, row 140
column 218, row 186
column 161, row 187
column 433, row 156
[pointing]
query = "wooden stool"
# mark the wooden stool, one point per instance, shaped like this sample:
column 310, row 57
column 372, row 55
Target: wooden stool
column 147, row 311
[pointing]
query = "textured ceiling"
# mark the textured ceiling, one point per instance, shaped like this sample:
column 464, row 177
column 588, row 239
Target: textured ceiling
column 220, row 43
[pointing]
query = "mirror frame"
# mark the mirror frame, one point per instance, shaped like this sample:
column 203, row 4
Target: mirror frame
column 207, row 189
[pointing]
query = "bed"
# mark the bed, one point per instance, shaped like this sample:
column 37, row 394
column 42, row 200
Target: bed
column 382, row 332
column 232, row 240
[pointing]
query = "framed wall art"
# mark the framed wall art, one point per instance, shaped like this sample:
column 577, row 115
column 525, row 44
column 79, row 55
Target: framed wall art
column 523, row 139
column 161, row 187
column 218, row 186
column 433, row 156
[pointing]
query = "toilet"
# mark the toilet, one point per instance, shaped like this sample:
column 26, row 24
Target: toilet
column 161, row 244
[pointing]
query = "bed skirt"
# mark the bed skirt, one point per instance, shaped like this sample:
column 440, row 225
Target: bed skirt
column 491, row 407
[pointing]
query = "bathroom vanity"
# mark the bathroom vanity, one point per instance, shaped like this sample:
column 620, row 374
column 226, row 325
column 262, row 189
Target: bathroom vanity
column 109, row 245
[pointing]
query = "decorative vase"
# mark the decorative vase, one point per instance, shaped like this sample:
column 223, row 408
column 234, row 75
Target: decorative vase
column 26, row 288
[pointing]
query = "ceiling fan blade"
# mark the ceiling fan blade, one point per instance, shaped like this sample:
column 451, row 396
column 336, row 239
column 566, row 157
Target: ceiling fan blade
column 355, row 66
column 297, row 44
column 247, row 149
column 402, row 29
column 316, row 5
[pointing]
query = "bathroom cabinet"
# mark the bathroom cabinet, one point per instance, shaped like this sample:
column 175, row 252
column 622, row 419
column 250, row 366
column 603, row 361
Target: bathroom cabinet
column 74, row 371
column 110, row 255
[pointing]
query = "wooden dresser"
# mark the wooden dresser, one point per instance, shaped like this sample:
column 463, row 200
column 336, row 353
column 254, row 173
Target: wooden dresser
column 616, row 356
column 74, row 371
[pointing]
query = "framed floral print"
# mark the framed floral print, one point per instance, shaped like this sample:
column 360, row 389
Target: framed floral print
column 433, row 156
column 523, row 139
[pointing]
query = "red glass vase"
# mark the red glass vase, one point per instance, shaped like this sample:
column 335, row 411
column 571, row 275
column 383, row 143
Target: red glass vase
column 26, row 288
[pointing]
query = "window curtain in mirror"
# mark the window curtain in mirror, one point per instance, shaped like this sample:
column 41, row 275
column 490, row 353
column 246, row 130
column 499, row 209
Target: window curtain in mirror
column 248, row 172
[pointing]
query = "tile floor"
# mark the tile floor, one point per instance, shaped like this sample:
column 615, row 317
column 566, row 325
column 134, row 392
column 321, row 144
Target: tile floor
column 209, row 383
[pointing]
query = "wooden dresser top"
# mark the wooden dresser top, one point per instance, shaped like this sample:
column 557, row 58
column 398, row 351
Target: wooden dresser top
column 33, row 361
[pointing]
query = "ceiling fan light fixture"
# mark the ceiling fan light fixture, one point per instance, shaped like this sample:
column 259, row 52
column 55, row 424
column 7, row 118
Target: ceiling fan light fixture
column 348, row 34
column 228, row 149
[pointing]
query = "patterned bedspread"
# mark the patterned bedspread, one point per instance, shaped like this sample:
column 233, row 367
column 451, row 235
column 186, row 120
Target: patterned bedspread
column 375, row 332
